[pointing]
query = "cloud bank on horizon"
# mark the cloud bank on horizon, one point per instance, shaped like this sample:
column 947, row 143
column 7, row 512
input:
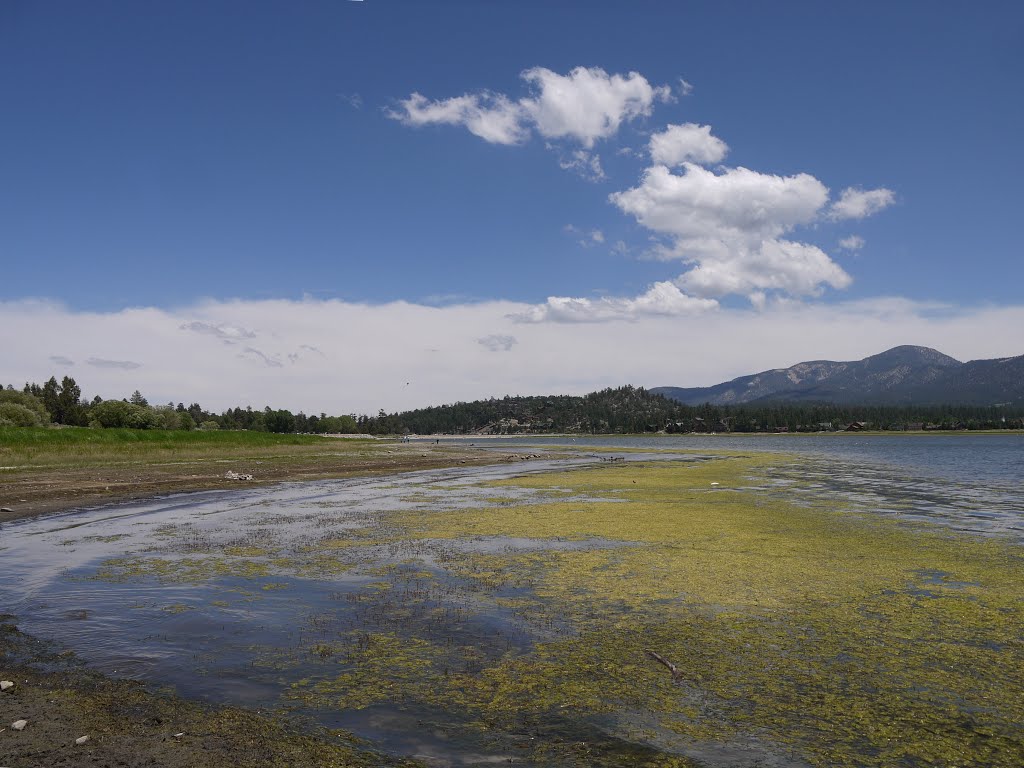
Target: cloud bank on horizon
column 343, row 357
column 730, row 226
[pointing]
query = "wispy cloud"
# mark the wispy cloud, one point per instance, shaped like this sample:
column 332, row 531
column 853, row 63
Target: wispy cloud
column 124, row 365
column 852, row 243
column 585, row 164
column 223, row 331
column 498, row 342
column 61, row 360
column 661, row 299
column 267, row 360
column 587, row 239
column 354, row 100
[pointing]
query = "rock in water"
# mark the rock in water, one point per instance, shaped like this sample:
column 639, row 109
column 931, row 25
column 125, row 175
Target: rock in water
column 5, row 684
column 19, row 725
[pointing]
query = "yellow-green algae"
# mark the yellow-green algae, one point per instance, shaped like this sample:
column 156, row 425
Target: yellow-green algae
column 188, row 570
column 849, row 640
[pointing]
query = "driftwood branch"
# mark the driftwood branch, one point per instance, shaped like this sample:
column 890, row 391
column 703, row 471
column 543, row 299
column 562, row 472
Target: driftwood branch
column 676, row 673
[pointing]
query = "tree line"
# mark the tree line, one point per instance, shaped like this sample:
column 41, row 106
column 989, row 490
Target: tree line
column 620, row 410
column 62, row 403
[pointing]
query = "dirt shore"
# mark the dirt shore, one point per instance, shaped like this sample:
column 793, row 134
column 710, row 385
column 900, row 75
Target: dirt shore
column 30, row 491
column 132, row 725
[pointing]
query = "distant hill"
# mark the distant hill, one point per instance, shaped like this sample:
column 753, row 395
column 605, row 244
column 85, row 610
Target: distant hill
column 905, row 375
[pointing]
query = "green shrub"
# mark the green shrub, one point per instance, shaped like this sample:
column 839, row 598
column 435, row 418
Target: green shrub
column 116, row 414
column 25, row 400
column 19, row 415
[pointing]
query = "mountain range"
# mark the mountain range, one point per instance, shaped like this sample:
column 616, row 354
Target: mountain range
column 905, row 375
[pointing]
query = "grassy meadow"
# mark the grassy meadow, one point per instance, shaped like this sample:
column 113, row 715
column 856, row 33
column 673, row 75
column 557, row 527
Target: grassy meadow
column 80, row 446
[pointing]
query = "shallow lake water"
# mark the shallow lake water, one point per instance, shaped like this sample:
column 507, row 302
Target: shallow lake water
column 973, row 483
column 247, row 596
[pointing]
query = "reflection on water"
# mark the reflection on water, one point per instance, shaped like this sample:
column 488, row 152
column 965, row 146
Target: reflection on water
column 971, row 508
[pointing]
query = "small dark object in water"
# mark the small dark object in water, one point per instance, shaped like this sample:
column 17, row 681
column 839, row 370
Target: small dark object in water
column 676, row 673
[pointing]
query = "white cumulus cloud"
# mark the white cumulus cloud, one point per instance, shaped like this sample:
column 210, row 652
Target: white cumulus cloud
column 687, row 143
column 783, row 266
column 490, row 116
column 584, row 106
column 737, row 204
column 856, row 203
column 728, row 227
column 587, row 104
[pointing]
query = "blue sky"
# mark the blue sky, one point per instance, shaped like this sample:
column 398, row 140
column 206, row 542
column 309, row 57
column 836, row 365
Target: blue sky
column 254, row 167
